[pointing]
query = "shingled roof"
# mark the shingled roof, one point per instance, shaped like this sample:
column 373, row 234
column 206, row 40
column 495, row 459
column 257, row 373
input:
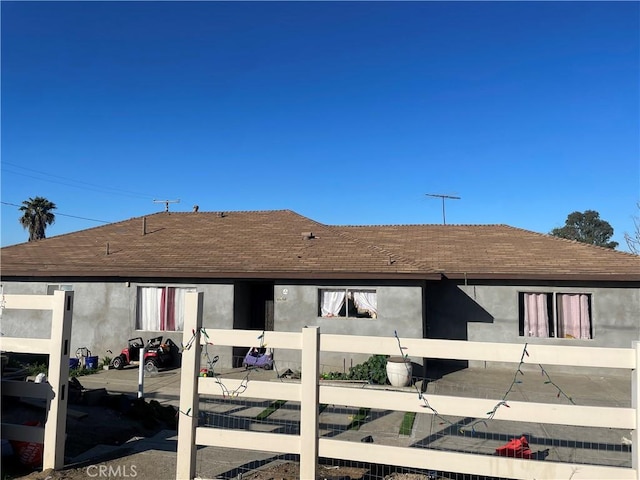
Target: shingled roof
column 284, row 244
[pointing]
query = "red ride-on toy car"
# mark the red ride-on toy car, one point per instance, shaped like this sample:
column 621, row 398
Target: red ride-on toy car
column 158, row 354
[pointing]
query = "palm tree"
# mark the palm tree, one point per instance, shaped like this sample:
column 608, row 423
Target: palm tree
column 37, row 216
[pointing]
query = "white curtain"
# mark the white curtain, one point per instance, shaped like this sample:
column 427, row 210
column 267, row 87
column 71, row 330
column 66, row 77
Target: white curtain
column 573, row 316
column 151, row 308
column 149, row 301
column 179, row 306
column 331, row 302
column 536, row 315
column 366, row 302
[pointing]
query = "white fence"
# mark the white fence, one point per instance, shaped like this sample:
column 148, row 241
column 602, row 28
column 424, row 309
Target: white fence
column 310, row 446
column 54, row 391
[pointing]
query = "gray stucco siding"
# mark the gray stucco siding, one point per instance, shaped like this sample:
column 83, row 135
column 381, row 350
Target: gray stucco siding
column 104, row 314
column 296, row 306
column 615, row 315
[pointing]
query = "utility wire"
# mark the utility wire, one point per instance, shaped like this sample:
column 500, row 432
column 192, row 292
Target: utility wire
column 62, row 214
column 71, row 182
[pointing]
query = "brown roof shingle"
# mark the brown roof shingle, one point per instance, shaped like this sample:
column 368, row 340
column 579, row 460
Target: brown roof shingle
column 500, row 251
column 270, row 244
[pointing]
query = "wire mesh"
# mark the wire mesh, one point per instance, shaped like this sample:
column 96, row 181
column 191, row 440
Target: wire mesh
column 427, row 430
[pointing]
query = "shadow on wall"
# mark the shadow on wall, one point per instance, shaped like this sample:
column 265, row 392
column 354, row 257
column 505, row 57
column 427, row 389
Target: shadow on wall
column 449, row 311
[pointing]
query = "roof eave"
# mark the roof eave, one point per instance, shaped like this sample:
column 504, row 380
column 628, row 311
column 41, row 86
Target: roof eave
column 614, row 277
column 7, row 274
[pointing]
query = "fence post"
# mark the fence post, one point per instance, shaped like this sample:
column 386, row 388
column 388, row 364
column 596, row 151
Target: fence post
column 56, row 424
column 635, row 403
column 309, row 422
column 189, row 399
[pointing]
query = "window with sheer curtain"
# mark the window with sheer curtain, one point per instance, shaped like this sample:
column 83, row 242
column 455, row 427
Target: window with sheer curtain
column 161, row 309
column 348, row 303
column 563, row 315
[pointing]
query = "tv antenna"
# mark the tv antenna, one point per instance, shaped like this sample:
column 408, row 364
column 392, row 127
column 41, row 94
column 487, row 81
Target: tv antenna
column 166, row 203
column 443, row 197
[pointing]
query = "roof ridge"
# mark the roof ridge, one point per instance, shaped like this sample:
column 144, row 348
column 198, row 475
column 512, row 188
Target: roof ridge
column 199, row 212
column 573, row 242
column 425, row 225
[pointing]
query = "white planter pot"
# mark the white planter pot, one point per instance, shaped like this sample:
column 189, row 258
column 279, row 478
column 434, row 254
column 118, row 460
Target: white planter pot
column 399, row 371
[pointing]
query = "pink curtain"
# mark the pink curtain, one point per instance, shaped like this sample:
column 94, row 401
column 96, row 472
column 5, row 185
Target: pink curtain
column 573, row 316
column 163, row 309
column 536, row 315
column 171, row 309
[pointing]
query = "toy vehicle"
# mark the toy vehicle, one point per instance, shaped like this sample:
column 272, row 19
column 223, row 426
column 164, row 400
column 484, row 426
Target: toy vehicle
column 258, row 357
column 157, row 354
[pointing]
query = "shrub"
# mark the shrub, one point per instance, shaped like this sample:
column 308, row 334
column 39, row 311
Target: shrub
column 374, row 370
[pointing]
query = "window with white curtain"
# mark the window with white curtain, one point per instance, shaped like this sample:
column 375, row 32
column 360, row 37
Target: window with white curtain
column 161, row 309
column 561, row 315
column 348, row 303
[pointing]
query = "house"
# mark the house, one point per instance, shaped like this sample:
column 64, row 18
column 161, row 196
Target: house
column 278, row 270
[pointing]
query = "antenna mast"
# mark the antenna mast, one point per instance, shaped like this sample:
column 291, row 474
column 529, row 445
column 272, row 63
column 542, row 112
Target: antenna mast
column 166, row 203
column 444, row 220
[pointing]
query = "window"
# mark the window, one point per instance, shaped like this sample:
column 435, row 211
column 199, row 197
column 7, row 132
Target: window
column 53, row 288
column 161, row 308
column 348, row 303
column 563, row 315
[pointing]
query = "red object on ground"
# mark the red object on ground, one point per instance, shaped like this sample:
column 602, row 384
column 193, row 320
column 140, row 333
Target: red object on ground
column 515, row 448
column 29, row 453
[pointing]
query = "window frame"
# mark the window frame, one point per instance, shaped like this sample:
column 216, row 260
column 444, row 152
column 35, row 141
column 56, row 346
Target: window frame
column 348, row 307
column 553, row 312
column 54, row 287
column 138, row 313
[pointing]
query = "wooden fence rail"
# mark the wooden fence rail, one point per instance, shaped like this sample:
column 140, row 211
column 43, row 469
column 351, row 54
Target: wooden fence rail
column 55, row 389
column 309, row 445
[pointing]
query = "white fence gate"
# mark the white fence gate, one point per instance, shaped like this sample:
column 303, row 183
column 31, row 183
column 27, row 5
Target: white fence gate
column 54, row 391
column 309, row 445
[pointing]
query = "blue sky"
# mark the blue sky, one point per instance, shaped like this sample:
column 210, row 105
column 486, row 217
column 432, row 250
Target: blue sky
column 345, row 112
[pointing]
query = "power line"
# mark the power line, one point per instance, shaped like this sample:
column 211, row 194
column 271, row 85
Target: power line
column 71, row 182
column 63, row 214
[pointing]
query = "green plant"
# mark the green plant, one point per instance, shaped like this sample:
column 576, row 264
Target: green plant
column 374, row 370
column 81, row 372
column 359, row 418
column 106, row 361
column 333, row 376
column 406, row 427
column 34, row 369
column 269, row 410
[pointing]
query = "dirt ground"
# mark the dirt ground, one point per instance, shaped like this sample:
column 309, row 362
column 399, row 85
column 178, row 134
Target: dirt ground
column 115, row 419
column 290, row 471
column 284, row 471
column 110, row 420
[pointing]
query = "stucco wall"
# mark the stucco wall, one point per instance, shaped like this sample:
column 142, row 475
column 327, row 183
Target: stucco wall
column 615, row 315
column 399, row 309
column 104, row 315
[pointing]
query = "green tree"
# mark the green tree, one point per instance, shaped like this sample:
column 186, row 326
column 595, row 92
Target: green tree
column 633, row 239
column 586, row 227
column 37, row 215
